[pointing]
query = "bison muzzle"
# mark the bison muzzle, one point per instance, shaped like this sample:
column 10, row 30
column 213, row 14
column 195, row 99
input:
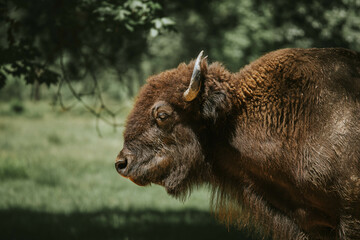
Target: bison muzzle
column 277, row 142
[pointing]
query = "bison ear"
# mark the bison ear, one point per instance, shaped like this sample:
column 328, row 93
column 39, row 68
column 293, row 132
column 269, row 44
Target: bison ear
column 215, row 106
column 200, row 69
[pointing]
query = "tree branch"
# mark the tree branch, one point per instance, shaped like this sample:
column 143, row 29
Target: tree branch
column 96, row 92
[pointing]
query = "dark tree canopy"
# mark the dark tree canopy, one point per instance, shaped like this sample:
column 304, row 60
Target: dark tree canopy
column 237, row 32
column 88, row 34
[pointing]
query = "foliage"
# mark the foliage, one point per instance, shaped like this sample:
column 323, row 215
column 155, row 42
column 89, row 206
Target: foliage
column 237, row 32
column 64, row 41
column 91, row 34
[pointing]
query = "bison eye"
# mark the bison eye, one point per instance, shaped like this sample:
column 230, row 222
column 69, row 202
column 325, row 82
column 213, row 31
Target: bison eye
column 162, row 119
column 162, row 116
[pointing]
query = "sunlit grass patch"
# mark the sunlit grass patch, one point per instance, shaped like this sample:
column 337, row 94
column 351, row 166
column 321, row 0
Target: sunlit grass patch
column 12, row 169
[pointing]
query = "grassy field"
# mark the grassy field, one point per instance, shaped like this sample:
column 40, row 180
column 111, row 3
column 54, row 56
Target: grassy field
column 57, row 181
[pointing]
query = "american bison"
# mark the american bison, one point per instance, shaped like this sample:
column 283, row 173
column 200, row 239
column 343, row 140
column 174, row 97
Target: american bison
column 278, row 142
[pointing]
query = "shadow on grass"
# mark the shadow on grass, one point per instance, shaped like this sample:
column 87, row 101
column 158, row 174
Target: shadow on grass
column 114, row 224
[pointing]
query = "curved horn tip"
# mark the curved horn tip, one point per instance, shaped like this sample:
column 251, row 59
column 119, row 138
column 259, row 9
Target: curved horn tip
column 200, row 55
column 195, row 84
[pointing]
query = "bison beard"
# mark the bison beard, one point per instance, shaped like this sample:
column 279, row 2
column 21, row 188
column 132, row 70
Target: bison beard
column 278, row 142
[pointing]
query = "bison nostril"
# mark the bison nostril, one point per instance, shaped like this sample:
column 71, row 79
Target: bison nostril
column 121, row 164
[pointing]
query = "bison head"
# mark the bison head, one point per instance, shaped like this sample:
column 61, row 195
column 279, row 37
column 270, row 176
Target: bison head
column 166, row 134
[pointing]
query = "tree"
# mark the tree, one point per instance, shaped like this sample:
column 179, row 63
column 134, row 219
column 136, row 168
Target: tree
column 237, row 32
column 60, row 41
column 88, row 34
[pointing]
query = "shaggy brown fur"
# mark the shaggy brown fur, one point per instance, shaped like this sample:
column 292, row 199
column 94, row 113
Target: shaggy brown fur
column 279, row 141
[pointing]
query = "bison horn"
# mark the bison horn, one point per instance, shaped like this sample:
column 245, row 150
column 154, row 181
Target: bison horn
column 195, row 82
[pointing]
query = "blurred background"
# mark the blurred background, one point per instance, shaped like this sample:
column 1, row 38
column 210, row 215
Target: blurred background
column 69, row 72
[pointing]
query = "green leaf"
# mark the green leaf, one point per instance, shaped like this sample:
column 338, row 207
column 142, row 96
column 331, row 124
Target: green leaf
column 158, row 23
column 167, row 21
column 155, row 6
column 136, row 4
column 129, row 27
column 122, row 14
column 154, row 32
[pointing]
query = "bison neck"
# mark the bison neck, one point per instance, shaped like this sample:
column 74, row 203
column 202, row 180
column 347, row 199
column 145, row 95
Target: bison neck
column 259, row 175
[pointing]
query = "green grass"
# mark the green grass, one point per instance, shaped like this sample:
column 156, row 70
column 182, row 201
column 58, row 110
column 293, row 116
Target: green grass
column 57, row 181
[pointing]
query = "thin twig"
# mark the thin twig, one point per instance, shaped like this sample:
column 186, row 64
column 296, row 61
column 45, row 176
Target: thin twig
column 59, row 96
column 78, row 97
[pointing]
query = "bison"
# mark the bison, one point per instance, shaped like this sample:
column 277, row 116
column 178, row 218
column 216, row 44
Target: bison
column 277, row 142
